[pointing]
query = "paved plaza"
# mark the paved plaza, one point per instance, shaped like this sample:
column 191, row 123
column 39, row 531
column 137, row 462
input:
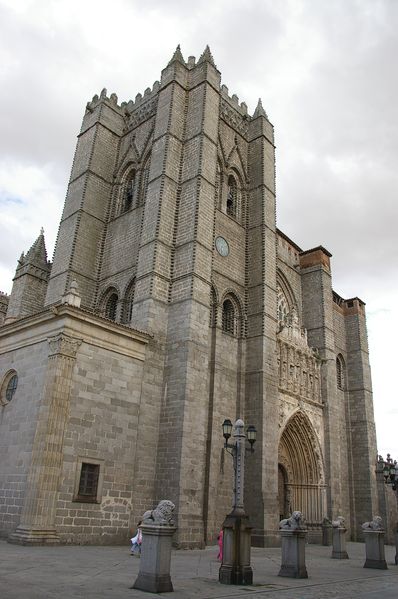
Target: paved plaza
column 70, row 572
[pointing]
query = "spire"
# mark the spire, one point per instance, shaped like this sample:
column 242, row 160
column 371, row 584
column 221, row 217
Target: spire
column 177, row 56
column 207, row 57
column 259, row 110
column 37, row 254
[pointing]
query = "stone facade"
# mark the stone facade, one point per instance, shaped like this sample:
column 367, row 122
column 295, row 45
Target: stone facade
column 173, row 302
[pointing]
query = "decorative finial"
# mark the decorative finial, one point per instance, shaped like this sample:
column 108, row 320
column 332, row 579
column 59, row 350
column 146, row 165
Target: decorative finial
column 177, row 56
column 259, row 110
column 207, row 57
column 37, row 254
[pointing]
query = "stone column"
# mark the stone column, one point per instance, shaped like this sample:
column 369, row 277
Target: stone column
column 37, row 524
column 293, row 535
column 339, row 542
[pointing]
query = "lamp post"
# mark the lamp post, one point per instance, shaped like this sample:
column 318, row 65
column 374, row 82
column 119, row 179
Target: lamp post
column 235, row 567
column 390, row 473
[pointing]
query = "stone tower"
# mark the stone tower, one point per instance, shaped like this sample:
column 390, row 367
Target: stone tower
column 202, row 310
column 140, row 225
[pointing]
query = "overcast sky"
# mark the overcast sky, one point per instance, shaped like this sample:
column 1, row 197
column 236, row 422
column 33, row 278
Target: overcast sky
column 327, row 73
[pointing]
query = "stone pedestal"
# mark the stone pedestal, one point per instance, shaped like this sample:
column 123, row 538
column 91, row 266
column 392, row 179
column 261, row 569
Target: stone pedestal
column 293, row 554
column 326, row 533
column 154, row 574
column 374, row 545
column 339, row 543
column 235, row 567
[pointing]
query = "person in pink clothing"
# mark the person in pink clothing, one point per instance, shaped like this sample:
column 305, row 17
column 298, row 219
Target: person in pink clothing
column 220, row 536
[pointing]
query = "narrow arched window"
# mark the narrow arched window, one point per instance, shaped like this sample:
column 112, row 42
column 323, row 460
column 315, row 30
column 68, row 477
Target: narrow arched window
column 232, row 197
column 340, row 373
column 111, row 306
column 144, row 181
column 128, row 303
column 128, row 192
column 218, row 186
column 228, row 317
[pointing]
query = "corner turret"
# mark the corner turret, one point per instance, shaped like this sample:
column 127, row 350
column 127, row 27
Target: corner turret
column 30, row 282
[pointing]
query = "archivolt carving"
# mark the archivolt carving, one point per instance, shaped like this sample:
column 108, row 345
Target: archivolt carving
column 286, row 409
column 300, row 445
column 301, row 457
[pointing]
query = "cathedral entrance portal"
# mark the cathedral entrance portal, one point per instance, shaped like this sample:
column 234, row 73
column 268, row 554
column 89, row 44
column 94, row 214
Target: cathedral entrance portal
column 300, row 470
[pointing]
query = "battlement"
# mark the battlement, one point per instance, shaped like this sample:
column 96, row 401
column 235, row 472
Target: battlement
column 103, row 97
column 353, row 305
column 234, row 101
column 128, row 108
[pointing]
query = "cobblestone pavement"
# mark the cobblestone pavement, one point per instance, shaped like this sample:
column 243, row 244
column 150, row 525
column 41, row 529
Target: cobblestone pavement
column 70, row 572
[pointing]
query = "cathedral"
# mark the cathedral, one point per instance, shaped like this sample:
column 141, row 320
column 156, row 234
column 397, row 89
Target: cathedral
column 173, row 302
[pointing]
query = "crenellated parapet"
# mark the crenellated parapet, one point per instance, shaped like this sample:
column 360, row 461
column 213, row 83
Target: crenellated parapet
column 144, row 106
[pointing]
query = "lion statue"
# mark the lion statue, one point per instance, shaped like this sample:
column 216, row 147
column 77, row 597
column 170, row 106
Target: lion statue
column 295, row 522
column 162, row 514
column 375, row 524
column 339, row 522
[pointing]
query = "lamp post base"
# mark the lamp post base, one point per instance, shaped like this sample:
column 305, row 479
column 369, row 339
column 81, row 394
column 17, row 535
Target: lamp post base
column 235, row 567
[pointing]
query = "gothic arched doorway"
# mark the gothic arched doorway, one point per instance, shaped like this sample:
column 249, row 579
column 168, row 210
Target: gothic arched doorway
column 301, row 466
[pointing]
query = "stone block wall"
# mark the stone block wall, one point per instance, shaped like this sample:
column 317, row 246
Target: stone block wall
column 76, row 401
column 103, row 426
column 18, row 420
